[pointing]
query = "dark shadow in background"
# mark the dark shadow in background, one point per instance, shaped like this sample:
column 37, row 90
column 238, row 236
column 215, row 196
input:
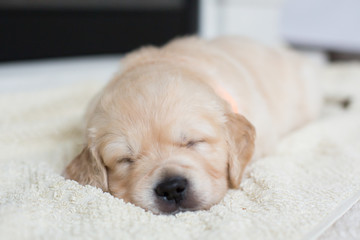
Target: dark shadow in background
column 42, row 30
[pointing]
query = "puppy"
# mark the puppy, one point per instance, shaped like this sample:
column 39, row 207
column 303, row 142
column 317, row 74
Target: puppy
column 174, row 130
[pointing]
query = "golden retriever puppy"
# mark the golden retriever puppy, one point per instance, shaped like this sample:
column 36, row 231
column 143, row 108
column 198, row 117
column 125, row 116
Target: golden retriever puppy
column 176, row 127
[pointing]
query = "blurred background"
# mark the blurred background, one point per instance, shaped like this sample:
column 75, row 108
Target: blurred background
column 37, row 29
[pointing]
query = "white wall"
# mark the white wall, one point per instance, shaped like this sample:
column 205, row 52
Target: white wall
column 328, row 24
column 258, row 19
column 325, row 24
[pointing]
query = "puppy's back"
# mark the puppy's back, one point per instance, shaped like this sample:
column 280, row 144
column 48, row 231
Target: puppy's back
column 286, row 80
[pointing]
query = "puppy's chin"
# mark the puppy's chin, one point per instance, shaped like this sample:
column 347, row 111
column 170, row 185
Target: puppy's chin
column 164, row 206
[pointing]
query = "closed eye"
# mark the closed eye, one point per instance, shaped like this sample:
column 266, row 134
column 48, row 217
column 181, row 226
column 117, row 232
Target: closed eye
column 193, row 143
column 126, row 160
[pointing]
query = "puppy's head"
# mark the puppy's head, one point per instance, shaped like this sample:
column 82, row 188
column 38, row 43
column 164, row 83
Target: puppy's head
column 162, row 139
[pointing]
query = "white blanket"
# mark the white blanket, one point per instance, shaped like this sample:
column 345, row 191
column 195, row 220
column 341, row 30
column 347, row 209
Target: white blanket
column 288, row 195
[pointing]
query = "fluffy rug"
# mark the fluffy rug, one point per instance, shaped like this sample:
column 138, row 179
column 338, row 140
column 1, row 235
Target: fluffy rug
column 288, row 195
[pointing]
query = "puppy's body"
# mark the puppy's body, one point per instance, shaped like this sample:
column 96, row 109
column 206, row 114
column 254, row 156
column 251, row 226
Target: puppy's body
column 171, row 131
column 275, row 89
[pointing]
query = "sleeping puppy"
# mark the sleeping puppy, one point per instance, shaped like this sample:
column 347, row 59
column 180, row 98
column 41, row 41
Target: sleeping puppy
column 174, row 130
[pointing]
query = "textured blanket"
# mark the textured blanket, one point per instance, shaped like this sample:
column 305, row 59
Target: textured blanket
column 314, row 172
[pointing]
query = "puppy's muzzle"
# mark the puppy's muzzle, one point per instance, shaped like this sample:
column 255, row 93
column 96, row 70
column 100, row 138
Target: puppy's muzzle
column 172, row 190
column 174, row 194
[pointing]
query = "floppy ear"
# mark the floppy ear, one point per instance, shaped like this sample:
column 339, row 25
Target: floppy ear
column 241, row 143
column 88, row 169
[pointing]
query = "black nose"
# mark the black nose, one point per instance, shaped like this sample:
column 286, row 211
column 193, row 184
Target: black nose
column 172, row 189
